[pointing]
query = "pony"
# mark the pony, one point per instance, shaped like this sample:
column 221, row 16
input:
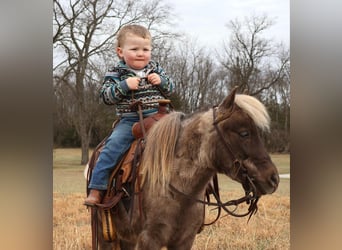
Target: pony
column 182, row 155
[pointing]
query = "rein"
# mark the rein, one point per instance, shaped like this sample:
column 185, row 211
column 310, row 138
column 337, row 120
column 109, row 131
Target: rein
column 250, row 198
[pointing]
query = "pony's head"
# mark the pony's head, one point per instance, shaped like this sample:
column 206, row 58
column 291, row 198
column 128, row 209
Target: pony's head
column 238, row 120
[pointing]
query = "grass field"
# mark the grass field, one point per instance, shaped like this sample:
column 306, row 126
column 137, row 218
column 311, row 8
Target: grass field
column 268, row 229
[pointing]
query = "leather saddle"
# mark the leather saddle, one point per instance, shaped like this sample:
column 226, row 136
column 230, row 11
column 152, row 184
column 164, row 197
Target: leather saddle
column 123, row 180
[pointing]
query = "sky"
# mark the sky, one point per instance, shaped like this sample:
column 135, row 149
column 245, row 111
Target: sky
column 205, row 20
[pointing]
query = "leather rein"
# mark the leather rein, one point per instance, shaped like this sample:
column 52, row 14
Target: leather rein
column 250, row 197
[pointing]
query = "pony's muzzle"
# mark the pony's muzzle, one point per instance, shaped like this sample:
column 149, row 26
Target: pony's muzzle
column 265, row 181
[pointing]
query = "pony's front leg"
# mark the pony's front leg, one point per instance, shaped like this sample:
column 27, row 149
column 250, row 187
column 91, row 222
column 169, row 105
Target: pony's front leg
column 183, row 244
column 148, row 240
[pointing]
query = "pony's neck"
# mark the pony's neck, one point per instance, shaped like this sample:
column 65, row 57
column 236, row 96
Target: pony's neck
column 193, row 170
column 196, row 185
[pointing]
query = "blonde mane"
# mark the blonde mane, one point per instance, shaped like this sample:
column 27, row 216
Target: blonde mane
column 159, row 152
column 255, row 109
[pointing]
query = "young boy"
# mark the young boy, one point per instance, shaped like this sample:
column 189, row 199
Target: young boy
column 122, row 86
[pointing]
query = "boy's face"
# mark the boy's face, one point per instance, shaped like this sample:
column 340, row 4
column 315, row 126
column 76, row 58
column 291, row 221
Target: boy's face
column 135, row 51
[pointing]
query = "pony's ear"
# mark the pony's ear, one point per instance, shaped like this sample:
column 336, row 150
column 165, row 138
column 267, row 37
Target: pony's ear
column 229, row 100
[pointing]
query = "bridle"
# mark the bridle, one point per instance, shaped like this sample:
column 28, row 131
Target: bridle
column 250, row 197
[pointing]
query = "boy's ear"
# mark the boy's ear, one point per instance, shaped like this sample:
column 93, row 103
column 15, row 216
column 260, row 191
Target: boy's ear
column 119, row 51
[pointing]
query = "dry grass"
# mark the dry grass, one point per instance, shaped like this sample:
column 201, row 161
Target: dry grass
column 268, row 229
column 71, row 222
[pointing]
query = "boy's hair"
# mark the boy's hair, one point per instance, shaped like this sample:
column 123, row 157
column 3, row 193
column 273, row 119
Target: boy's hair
column 133, row 29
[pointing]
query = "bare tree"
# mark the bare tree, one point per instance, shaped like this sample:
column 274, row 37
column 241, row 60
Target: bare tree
column 84, row 32
column 196, row 76
column 251, row 59
column 282, row 89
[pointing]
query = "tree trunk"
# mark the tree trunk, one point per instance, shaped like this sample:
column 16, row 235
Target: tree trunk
column 85, row 153
column 85, row 140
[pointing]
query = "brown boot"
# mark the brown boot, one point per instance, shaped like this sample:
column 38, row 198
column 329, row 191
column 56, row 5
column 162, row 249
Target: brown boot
column 94, row 197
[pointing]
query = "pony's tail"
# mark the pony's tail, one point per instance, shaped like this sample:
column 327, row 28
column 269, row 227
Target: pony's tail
column 159, row 152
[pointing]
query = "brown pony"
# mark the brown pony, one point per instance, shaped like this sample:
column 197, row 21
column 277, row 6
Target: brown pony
column 181, row 156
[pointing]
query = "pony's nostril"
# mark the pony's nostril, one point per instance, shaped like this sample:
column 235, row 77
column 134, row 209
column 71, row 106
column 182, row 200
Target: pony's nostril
column 274, row 180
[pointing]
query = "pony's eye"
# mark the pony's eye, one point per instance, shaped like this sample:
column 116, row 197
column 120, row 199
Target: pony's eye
column 244, row 134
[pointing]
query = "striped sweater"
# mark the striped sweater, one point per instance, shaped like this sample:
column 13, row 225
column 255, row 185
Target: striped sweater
column 115, row 90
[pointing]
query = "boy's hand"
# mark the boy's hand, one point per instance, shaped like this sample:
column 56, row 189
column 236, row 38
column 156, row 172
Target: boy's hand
column 133, row 83
column 154, row 79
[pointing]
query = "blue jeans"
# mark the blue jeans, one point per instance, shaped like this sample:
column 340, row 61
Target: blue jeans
column 116, row 145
